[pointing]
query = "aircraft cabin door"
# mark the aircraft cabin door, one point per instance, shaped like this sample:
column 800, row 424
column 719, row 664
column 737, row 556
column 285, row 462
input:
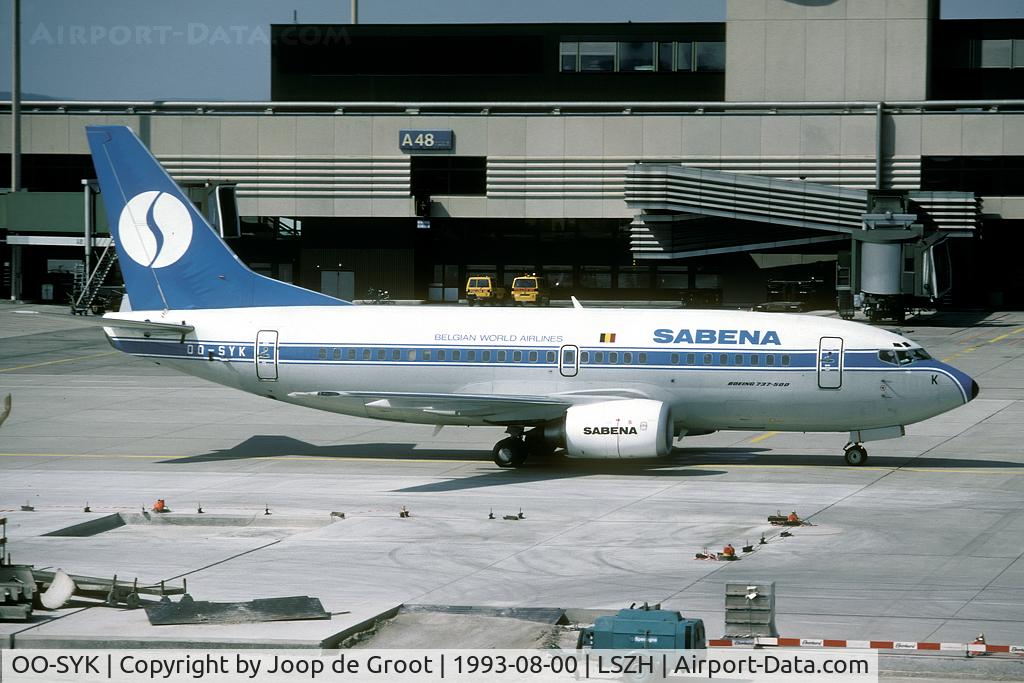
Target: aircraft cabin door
column 569, row 360
column 830, row 363
column 266, row 355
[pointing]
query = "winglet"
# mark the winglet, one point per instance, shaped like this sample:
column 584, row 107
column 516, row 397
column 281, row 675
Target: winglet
column 576, row 303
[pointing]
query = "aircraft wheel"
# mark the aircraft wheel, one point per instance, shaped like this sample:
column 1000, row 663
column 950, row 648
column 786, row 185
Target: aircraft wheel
column 510, row 452
column 855, row 455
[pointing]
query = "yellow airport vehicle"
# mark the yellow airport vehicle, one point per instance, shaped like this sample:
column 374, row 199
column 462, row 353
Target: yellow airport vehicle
column 530, row 289
column 484, row 289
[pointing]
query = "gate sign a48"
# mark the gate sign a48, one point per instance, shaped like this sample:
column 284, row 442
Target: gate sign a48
column 410, row 140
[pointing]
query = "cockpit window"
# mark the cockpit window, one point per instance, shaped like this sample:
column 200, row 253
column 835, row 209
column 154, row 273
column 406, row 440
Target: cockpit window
column 903, row 356
column 917, row 354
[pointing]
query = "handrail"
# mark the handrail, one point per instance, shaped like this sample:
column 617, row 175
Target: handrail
column 414, row 107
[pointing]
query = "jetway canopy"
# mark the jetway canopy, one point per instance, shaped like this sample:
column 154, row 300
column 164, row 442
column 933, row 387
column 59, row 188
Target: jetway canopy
column 668, row 197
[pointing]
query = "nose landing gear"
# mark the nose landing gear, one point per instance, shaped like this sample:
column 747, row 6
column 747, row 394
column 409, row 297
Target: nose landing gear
column 855, row 454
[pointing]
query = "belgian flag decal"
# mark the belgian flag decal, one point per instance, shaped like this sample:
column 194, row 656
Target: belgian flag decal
column 607, row 337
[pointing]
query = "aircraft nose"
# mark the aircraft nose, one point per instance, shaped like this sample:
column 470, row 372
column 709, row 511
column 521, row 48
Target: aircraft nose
column 975, row 390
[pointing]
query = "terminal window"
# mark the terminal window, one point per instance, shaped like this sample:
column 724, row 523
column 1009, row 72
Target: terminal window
column 684, row 57
column 447, row 175
column 569, row 57
column 709, row 56
column 664, row 56
column 992, row 176
column 597, row 56
column 637, row 56
column 1003, row 53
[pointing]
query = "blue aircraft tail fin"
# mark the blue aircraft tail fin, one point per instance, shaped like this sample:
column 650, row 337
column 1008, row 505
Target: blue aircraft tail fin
column 171, row 258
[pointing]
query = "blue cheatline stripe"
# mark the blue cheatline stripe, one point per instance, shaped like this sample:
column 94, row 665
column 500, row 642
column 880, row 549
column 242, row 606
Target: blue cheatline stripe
column 190, row 349
column 952, row 374
column 656, row 358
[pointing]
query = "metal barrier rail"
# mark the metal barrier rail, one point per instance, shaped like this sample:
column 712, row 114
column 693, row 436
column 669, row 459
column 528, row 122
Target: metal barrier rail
column 971, row 648
column 197, row 107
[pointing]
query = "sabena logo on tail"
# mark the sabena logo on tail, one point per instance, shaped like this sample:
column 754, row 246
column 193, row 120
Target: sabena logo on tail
column 155, row 229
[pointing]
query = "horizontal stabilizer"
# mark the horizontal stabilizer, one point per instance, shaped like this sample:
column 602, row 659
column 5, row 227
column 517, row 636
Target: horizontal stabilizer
column 182, row 328
column 124, row 323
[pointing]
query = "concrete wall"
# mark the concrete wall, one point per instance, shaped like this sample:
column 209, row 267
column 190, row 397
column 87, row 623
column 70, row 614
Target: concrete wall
column 544, row 166
column 826, row 50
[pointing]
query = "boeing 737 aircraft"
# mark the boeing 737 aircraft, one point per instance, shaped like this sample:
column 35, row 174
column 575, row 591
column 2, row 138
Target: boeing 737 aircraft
column 598, row 383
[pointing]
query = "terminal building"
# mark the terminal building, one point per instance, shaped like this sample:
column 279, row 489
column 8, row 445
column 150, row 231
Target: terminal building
column 692, row 162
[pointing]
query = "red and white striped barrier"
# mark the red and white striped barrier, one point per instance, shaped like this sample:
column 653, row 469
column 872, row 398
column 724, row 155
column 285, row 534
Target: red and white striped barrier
column 868, row 645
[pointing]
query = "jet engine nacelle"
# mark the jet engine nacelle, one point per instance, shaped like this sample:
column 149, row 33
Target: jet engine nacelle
column 631, row 428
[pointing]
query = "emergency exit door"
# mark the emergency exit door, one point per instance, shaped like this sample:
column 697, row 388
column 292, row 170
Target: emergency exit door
column 830, row 363
column 266, row 355
column 569, row 360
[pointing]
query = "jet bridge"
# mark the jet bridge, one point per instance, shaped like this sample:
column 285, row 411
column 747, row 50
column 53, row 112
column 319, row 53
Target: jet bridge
column 897, row 239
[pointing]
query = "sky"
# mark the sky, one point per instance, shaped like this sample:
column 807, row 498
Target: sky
column 220, row 49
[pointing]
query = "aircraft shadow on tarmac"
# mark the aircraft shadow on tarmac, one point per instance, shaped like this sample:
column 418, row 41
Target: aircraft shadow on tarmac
column 555, row 467
column 558, row 467
column 272, row 446
column 725, row 457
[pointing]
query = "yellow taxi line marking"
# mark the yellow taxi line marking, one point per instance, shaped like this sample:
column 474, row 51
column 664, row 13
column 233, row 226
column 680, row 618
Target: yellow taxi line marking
column 766, row 435
column 970, row 349
column 55, row 362
column 1008, row 334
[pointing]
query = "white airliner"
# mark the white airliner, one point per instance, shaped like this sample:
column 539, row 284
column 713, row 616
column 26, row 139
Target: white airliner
column 598, row 383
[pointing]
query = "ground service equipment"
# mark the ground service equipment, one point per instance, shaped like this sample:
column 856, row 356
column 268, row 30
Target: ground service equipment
column 646, row 627
column 483, row 289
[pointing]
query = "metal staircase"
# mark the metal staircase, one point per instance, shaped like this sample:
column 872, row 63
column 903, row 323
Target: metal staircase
column 86, row 288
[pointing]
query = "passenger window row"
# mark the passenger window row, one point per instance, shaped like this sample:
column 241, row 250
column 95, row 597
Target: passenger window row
column 586, row 357
column 613, row 357
column 736, row 359
column 456, row 355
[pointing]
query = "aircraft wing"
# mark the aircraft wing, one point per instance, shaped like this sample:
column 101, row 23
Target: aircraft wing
column 443, row 408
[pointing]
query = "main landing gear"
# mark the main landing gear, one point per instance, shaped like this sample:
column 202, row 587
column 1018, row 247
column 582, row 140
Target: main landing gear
column 855, row 454
column 513, row 450
column 510, row 452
